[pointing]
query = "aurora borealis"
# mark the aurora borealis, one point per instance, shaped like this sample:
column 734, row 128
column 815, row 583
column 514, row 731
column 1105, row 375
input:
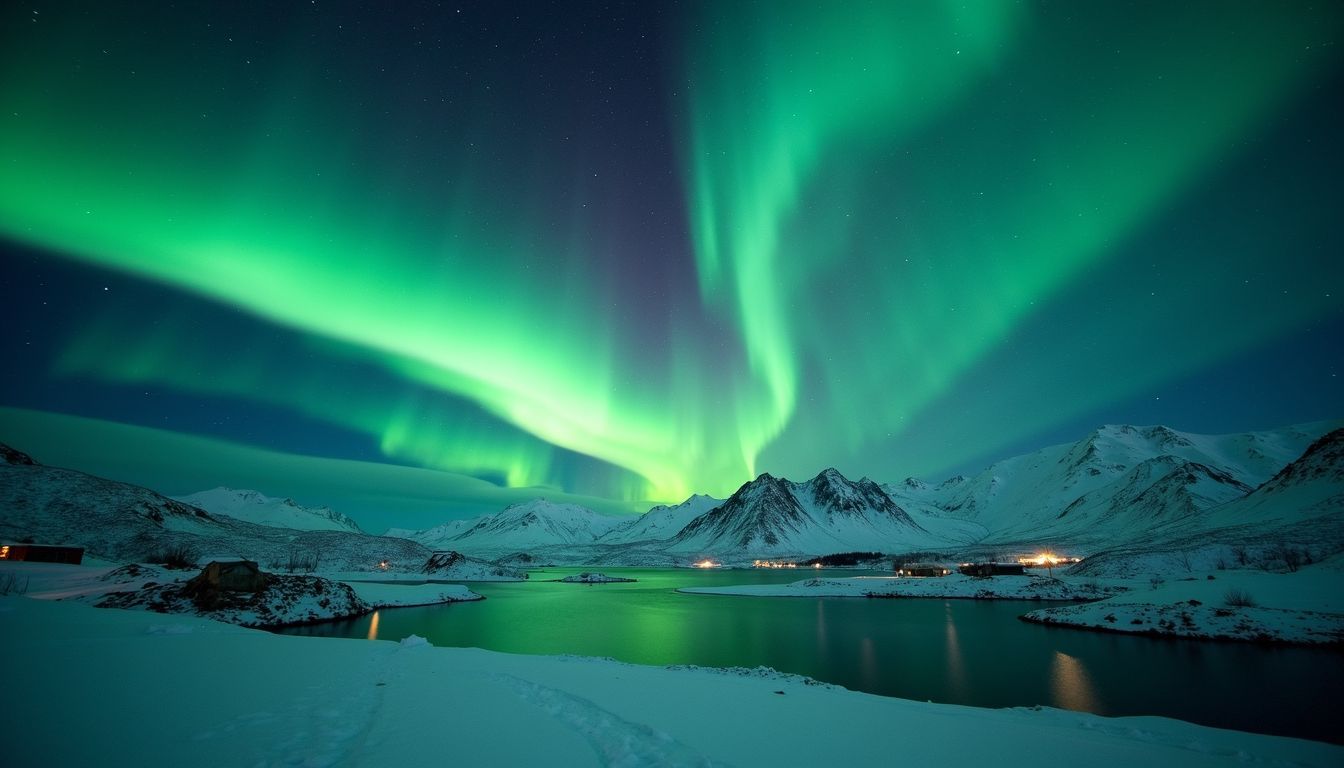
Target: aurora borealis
column 634, row 251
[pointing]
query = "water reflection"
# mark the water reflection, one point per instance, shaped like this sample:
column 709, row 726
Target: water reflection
column 956, row 664
column 1070, row 685
column 868, row 663
column 821, row 626
column 373, row 626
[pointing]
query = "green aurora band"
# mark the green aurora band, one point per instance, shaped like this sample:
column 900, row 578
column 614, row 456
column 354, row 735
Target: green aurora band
column 804, row 121
column 851, row 171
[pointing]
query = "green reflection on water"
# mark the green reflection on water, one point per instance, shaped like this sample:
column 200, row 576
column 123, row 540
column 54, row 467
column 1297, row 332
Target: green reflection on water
column 972, row 652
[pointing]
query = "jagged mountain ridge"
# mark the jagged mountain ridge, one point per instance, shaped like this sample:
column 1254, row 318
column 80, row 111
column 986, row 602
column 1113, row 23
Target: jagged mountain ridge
column 771, row 515
column 256, row 507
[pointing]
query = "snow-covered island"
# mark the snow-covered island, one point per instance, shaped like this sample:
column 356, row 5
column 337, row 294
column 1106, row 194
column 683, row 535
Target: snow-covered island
column 283, row 700
column 593, row 578
column 1305, row 606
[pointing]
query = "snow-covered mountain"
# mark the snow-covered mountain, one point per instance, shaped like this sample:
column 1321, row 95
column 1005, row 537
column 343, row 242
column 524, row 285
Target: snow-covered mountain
column 121, row 522
column 1122, row 491
column 518, row 528
column 829, row 513
column 661, row 522
column 1308, row 491
column 434, row 537
column 1298, row 514
column 1112, row 485
column 1119, row 484
column 256, row 507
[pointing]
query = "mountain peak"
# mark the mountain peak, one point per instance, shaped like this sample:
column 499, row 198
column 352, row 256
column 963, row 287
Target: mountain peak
column 828, row 513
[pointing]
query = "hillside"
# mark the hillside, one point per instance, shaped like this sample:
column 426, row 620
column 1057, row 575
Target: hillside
column 123, row 523
column 256, row 507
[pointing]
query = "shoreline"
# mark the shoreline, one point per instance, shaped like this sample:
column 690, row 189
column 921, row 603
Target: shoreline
column 384, row 702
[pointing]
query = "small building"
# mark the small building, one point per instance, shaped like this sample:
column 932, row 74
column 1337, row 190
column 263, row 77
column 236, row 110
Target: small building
column 42, row 553
column 921, row 570
column 992, row 569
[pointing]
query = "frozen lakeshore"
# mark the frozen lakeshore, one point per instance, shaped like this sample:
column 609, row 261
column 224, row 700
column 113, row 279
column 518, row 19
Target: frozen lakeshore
column 1302, row 607
column 178, row 690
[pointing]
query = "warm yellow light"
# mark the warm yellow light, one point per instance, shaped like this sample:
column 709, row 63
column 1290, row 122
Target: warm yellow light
column 706, row 564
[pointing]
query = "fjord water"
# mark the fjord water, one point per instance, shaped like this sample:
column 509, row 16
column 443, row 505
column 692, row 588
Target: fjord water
column 953, row 651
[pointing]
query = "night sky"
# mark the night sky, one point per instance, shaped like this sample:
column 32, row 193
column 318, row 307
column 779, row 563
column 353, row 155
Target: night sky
column 418, row 261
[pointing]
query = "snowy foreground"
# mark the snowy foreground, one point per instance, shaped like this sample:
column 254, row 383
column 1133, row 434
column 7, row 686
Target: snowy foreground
column 156, row 690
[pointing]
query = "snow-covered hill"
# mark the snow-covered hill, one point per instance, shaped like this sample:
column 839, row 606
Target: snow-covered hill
column 661, row 522
column 518, row 528
column 1307, row 490
column 439, row 534
column 256, row 507
column 126, row 523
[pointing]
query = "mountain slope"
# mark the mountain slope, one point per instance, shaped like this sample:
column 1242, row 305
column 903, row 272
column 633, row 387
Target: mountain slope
column 1295, row 517
column 1111, row 485
column 126, row 523
column 255, row 507
column 660, row 522
column 1311, row 488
